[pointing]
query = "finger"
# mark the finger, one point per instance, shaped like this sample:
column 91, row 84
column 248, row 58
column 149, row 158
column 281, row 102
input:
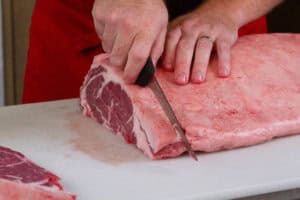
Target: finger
column 99, row 30
column 158, row 47
column 201, row 59
column 172, row 40
column 223, row 52
column 99, row 26
column 183, row 60
column 122, row 45
column 137, row 57
column 108, row 38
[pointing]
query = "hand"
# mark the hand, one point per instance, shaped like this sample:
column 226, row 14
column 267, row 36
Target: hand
column 191, row 39
column 131, row 31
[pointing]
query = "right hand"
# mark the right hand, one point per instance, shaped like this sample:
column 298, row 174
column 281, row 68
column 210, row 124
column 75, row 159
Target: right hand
column 131, row 31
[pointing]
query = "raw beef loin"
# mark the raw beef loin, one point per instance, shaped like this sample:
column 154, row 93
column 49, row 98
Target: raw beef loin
column 259, row 101
column 21, row 179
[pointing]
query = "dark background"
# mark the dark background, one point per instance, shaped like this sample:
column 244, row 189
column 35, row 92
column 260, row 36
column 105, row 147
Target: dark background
column 285, row 18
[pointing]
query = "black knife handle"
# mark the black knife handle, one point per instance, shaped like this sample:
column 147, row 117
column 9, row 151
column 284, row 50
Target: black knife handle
column 146, row 74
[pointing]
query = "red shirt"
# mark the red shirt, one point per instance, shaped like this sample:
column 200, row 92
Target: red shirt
column 62, row 45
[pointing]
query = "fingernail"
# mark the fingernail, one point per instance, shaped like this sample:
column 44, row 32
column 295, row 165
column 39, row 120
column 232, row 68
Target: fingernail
column 198, row 77
column 181, row 78
column 225, row 72
column 167, row 66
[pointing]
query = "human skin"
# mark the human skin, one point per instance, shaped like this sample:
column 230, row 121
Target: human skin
column 133, row 30
column 192, row 37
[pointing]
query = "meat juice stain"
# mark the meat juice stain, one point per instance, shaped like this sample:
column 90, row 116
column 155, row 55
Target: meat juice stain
column 100, row 144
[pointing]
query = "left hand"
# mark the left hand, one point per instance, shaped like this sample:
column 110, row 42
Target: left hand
column 191, row 39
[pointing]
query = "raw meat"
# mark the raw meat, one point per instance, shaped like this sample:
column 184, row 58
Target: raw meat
column 259, row 101
column 21, row 179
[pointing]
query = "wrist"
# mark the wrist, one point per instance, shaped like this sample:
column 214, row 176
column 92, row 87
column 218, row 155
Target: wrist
column 227, row 11
column 222, row 11
column 240, row 12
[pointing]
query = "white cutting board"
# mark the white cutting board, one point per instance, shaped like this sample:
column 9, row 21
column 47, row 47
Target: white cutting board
column 97, row 165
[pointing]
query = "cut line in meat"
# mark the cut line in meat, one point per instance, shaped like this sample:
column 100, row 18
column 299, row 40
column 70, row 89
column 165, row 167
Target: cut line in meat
column 21, row 179
column 259, row 101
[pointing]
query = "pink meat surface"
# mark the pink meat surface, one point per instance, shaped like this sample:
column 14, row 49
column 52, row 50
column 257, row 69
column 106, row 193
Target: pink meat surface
column 259, row 101
column 21, row 179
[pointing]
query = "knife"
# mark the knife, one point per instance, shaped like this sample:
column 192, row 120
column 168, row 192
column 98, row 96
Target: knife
column 147, row 78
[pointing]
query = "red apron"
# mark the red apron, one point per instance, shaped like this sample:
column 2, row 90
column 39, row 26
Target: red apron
column 62, row 45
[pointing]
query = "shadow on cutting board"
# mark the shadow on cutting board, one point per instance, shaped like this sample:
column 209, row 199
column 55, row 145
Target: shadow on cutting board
column 100, row 144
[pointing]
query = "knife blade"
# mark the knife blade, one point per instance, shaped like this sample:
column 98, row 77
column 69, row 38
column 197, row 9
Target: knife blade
column 147, row 78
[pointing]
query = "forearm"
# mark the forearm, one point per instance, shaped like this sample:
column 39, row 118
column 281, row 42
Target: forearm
column 241, row 12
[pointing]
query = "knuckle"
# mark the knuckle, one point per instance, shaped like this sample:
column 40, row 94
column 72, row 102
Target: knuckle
column 99, row 32
column 98, row 13
column 116, row 61
column 204, row 44
column 161, row 17
column 184, row 44
column 203, row 27
column 98, row 16
column 174, row 33
column 232, row 38
column 106, row 47
column 165, row 20
column 93, row 12
column 138, row 56
column 212, row 28
column 187, row 26
column 224, row 42
column 128, row 23
column 182, row 64
column 113, row 17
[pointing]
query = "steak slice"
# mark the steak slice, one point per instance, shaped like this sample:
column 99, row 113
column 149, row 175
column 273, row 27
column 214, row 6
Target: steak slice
column 259, row 101
column 21, row 179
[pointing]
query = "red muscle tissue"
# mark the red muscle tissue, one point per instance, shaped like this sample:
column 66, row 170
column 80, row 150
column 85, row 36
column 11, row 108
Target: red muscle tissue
column 21, row 179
